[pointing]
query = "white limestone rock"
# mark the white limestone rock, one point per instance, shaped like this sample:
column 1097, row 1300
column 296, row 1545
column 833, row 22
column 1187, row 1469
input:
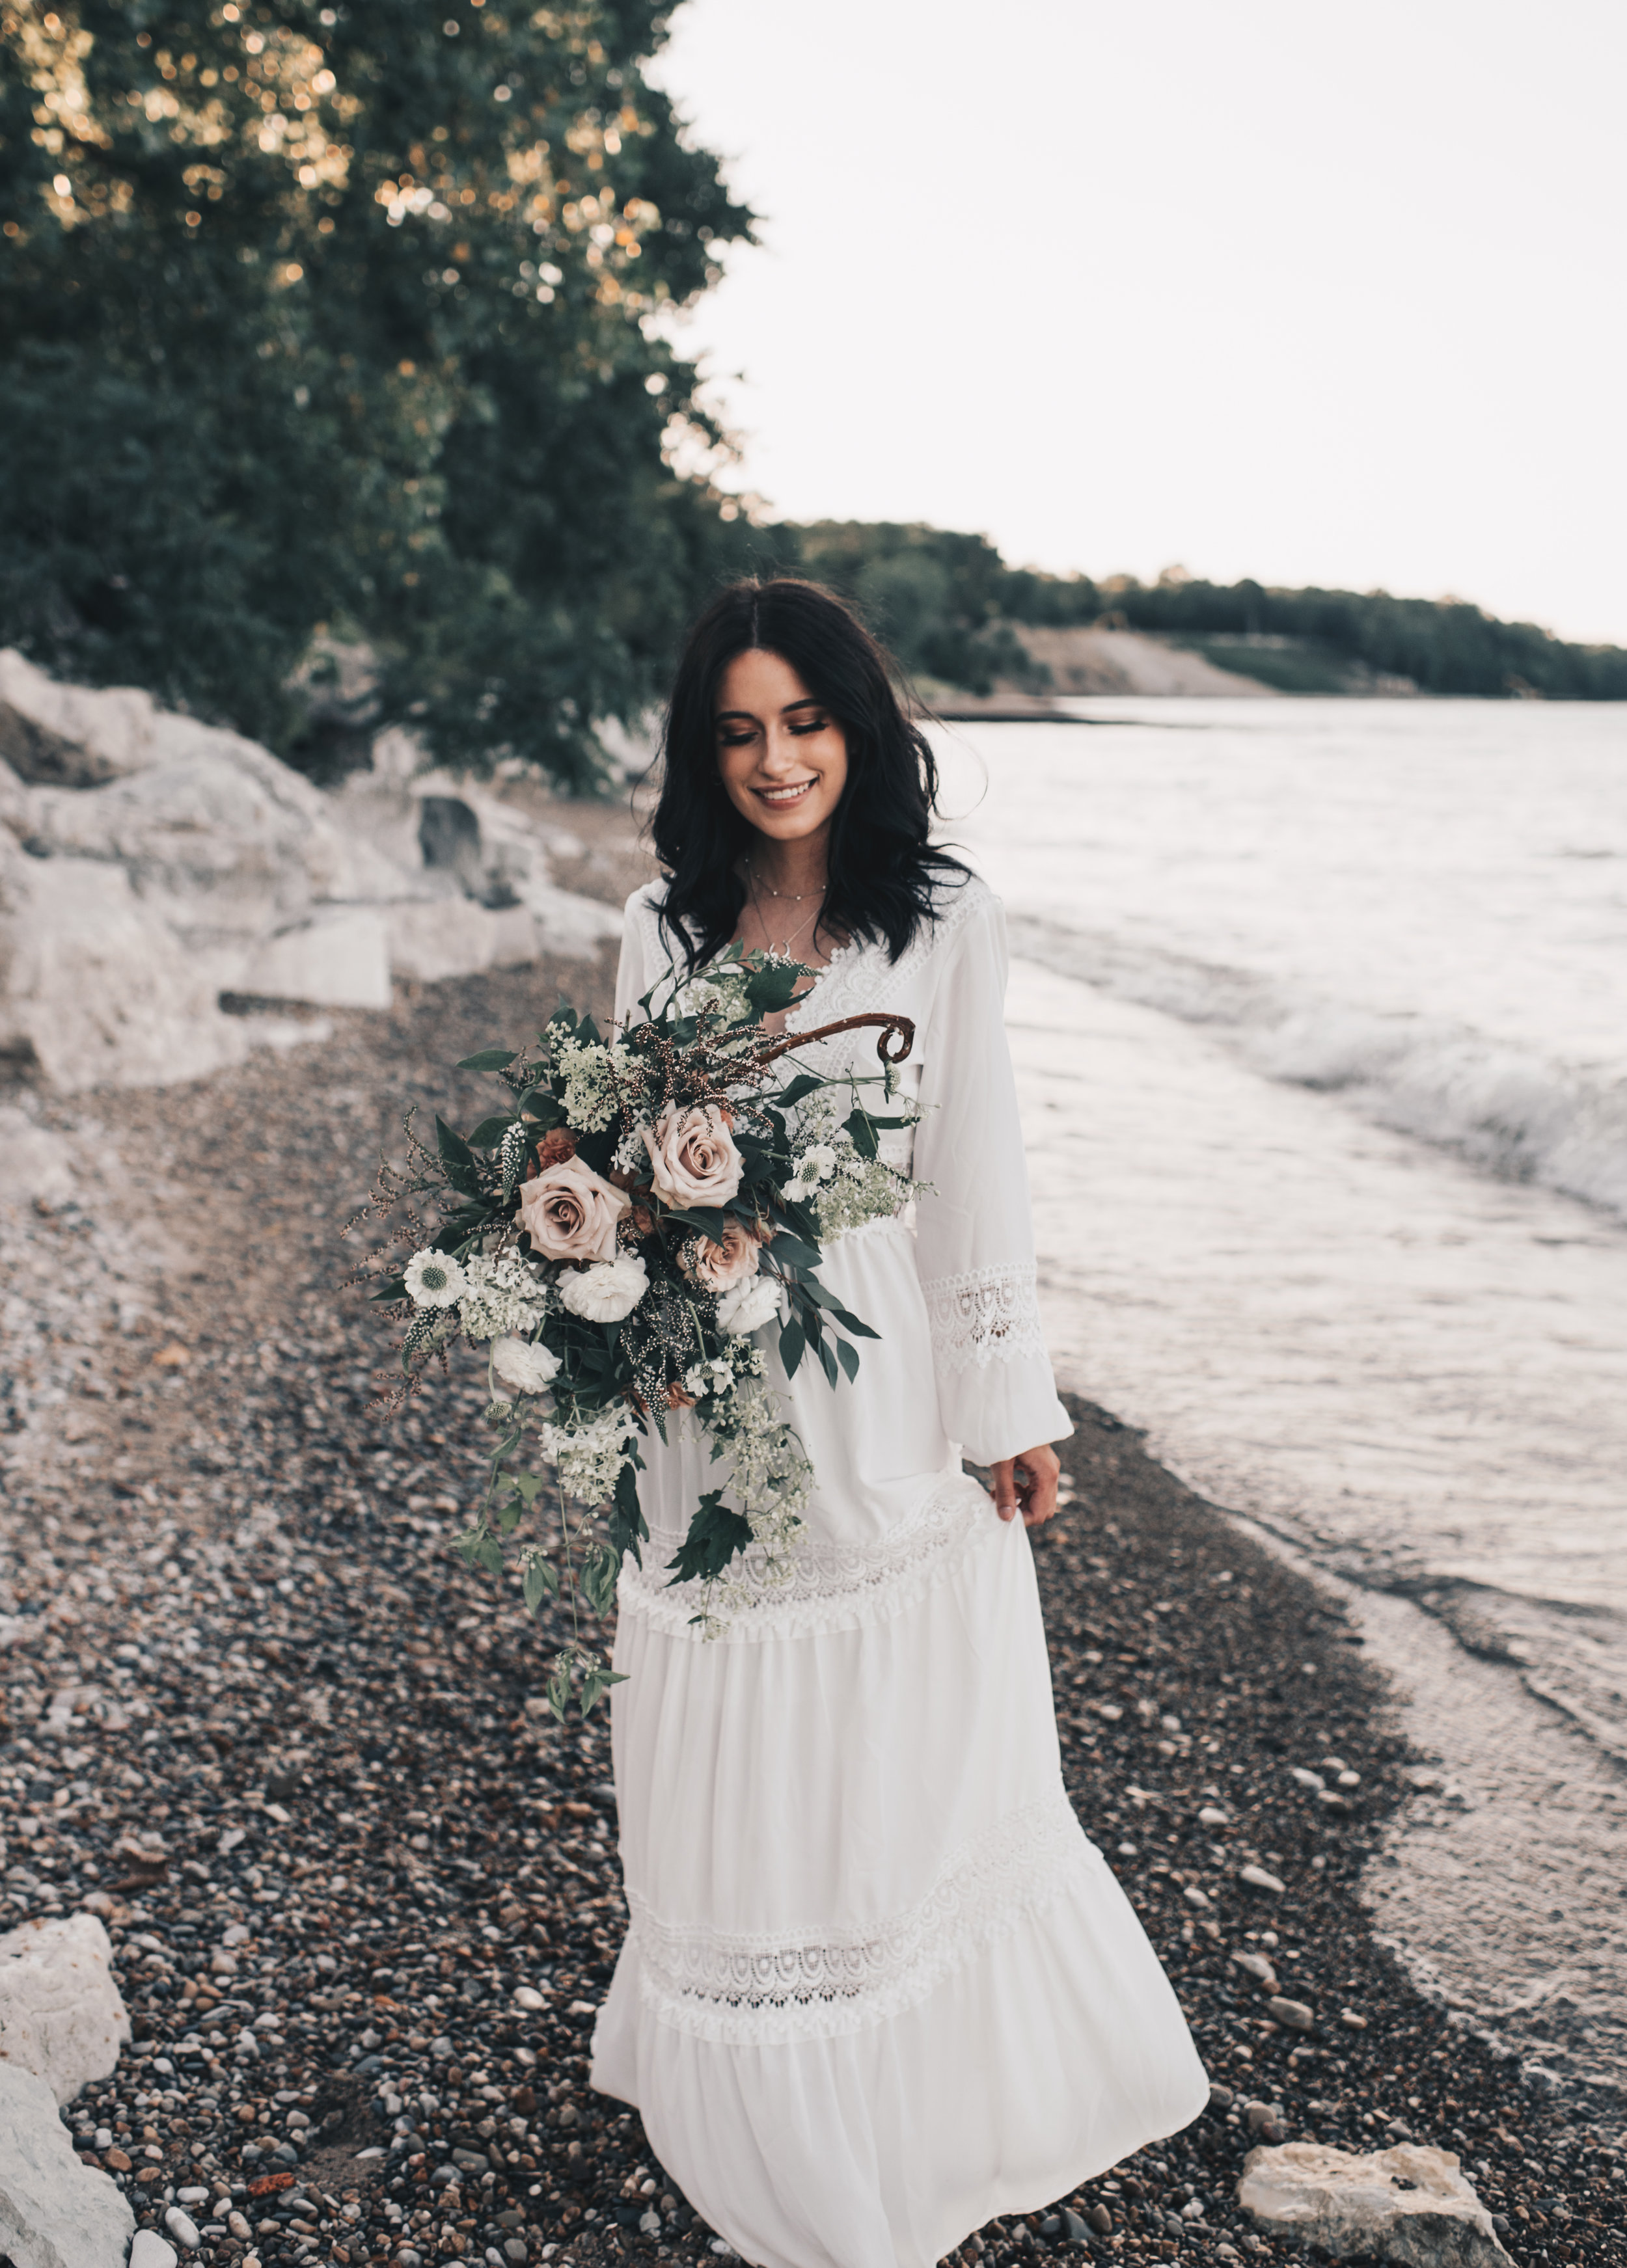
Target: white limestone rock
column 432, row 938
column 34, row 1163
column 54, row 2212
column 151, row 863
column 93, row 984
column 61, row 2015
column 1409, row 2204
column 339, row 957
column 227, row 844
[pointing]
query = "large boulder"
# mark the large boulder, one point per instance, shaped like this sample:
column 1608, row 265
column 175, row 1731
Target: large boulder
column 61, row 2016
column 54, row 2212
column 152, row 866
column 93, row 984
column 1409, row 2204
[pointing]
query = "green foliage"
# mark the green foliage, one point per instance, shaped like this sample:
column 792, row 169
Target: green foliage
column 935, row 597
column 343, row 316
column 715, row 1535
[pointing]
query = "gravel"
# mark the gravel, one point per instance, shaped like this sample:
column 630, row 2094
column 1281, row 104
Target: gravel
column 363, row 1895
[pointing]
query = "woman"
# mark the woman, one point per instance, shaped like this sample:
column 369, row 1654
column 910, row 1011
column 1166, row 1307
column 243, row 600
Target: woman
column 877, row 1987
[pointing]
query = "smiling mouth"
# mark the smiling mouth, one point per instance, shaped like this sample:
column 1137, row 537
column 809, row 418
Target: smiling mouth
column 779, row 796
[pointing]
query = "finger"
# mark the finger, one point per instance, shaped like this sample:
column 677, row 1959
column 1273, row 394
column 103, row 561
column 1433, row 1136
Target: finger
column 1042, row 1473
column 1005, row 1488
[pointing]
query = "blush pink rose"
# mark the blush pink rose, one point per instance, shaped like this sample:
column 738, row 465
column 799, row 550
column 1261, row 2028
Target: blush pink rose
column 717, row 1267
column 693, row 1160
column 570, row 1214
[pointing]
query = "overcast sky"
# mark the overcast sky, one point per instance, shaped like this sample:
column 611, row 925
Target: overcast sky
column 1314, row 292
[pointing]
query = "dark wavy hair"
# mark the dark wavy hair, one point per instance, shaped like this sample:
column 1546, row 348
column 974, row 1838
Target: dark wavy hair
column 882, row 869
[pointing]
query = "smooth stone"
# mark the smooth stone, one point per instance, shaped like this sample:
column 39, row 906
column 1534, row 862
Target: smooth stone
column 55, row 2212
column 1343, row 2203
column 150, row 2250
column 61, row 2014
column 183, row 2228
column 1259, row 1878
column 1256, row 1965
column 1293, row 2013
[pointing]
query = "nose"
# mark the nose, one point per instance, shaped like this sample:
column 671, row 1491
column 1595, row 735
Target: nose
column 781, row 753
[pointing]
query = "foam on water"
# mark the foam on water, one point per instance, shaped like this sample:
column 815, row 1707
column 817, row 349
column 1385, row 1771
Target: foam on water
column 1320, row 1025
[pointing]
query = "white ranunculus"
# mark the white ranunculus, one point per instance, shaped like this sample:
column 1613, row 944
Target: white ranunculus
column 435, row 1279
column 748, row 1306
column 528, row 1369
column 607, row 1291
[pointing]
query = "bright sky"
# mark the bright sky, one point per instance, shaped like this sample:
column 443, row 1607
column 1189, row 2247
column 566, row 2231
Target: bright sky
column 1315, row 292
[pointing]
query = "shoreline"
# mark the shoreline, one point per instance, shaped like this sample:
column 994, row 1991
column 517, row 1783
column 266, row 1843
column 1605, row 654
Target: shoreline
column 275, row 1557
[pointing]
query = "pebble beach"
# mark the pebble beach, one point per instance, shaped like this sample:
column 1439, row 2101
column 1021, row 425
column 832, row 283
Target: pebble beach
column 363, row 1891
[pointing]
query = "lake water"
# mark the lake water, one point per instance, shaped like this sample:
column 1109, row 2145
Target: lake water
column 1319, row 1012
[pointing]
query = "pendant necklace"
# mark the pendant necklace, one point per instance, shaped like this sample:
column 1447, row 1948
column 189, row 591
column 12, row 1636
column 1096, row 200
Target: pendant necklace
column 796, row 897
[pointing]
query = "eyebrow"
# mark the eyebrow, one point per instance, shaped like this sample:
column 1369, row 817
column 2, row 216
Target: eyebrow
column 723, row 715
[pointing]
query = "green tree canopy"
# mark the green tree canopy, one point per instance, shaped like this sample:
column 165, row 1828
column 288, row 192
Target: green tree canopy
column 350, row 317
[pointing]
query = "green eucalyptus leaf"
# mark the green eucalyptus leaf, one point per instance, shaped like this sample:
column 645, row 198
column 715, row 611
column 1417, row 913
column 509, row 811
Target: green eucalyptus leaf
column 598, row 1578
column 541, row 1582
column 862, row 1132
column 489, row 1059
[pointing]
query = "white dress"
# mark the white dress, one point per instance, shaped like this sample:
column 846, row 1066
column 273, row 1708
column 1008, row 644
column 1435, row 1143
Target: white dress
column 878, row 1986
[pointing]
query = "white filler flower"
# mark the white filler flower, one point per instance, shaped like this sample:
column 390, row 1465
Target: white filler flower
column 528, row 1369
column 435, row 1279
column 748, row 1306
column 606, row 1292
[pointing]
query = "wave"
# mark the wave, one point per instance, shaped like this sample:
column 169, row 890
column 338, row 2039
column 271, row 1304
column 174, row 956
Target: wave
column 1508, row 1110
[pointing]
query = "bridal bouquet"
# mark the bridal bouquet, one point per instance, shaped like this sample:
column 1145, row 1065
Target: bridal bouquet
column 618, row 1236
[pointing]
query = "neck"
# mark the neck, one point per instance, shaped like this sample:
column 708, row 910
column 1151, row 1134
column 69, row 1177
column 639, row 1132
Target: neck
column 795, row 869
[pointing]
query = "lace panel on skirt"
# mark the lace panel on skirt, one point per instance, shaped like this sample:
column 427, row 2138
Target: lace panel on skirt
column 989, row 1315
column 818, row 1585
column 751, row 1990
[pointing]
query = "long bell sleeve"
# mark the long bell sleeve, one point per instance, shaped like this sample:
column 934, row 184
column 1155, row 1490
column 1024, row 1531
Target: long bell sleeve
column 974, row 1248
column 631, row 982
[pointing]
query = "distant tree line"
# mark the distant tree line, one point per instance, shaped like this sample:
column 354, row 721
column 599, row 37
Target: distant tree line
column 949, row 604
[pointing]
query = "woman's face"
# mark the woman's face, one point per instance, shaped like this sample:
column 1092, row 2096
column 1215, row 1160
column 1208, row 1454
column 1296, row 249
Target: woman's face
column 781, row 756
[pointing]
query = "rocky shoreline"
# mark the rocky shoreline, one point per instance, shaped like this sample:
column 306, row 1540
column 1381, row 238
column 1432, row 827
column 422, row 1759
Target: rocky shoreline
column 364, row 1896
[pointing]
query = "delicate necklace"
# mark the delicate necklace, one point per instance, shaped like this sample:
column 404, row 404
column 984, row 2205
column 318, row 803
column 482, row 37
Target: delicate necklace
column 797, row 898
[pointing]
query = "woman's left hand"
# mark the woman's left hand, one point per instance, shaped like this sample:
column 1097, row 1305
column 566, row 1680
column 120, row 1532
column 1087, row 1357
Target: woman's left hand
column 1027, row 1482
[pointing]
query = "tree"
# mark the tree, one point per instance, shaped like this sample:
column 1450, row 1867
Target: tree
column 351, row 318
column 934, row 596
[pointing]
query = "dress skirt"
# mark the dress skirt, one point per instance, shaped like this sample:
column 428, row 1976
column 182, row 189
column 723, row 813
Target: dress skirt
column 879, row 1985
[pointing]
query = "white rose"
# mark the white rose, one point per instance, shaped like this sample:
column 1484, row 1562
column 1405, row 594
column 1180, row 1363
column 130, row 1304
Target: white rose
column 748, row 1306
column 605, row 1293
column 435, row 1279
column 528, row 1369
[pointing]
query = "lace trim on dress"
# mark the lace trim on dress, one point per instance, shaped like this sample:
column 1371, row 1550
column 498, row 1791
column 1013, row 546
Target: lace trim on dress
column 990, row 1314
column 817, row 1585
column 764, row 1989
